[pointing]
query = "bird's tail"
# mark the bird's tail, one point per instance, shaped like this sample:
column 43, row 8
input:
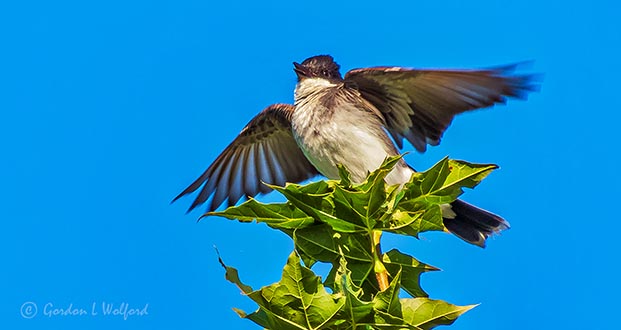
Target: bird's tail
column 473, row 224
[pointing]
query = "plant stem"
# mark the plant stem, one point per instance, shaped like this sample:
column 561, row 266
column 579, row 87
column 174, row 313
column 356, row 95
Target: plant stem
column 380, row 271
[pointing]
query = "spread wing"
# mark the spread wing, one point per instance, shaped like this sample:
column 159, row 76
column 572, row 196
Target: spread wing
column 419, row 105
column 264, row 151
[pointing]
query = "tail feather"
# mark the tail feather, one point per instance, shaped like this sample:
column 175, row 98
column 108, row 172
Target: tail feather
column 472, row 224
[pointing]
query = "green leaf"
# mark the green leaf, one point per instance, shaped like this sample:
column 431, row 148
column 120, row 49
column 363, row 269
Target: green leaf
column 261, row 317
column 232, row 276
column 319, row 242
column 344, row 175
column 318, row 205
column 443, row 182
column 387, row 301
column 361, row 275
column 387, row 307
column 413, row 223
column 322, row 243
column 355, row 311
column 314, row 188
column 404, row 222
column 350, row 206
column 410, row 268
column 418, row 205
column 357, row 206
column 412, row 313
column 298, row 301
column 279, row 215
column 427, row 313
column 378, row 175
column 467, row 174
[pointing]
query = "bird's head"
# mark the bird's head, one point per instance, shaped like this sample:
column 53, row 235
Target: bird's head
column 321, row 66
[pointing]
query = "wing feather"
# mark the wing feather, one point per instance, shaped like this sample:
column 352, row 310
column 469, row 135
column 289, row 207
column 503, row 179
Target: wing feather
column 419, row 105
column 264, row 151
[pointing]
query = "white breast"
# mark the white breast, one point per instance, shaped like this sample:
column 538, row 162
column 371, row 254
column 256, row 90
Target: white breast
column 344, row 133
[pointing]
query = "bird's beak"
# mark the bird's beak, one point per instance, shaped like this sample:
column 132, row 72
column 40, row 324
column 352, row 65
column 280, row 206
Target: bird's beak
column 300, row 70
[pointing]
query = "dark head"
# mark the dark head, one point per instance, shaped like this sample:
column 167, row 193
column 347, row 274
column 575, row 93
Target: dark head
column 321, row 66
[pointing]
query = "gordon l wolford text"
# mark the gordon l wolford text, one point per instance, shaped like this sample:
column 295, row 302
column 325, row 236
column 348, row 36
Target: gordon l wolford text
column 105, row 309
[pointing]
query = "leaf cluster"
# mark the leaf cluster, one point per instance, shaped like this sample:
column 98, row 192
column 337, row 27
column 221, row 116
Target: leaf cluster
column 340, row 222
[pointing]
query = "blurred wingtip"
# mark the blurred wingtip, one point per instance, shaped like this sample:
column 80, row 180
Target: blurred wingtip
column 176, row 198
column 194, row 204
column 515, row 66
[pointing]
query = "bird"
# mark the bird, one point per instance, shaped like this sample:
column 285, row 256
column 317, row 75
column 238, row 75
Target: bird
column 358, row 120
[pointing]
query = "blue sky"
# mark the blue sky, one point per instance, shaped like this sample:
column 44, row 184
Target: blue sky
column 111, row 108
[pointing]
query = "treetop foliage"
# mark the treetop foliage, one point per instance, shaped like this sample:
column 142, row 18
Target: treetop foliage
column 340, row 223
